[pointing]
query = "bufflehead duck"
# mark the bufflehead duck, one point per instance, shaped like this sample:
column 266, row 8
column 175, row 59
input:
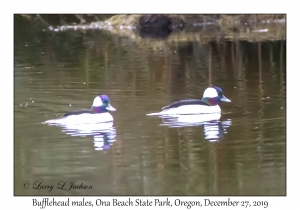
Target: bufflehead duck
column 207, row 105
column 97, row 114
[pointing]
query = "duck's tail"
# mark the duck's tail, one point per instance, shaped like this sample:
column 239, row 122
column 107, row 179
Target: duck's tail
column 50, row 121
column 54, row 121
column 154, row 114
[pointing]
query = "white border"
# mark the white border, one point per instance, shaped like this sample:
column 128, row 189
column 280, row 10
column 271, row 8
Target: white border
column 153, row 6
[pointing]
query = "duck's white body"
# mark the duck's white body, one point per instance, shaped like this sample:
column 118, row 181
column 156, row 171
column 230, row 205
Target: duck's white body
column 82, row 119
column 189, row 120
column 189, row 110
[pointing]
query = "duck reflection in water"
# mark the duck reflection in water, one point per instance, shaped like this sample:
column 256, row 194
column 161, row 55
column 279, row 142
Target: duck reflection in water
column 214, row 128
column 103, row 141
column 104, row 133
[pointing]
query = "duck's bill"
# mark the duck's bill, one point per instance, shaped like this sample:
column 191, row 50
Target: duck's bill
column 224, row 99
column 110, row 108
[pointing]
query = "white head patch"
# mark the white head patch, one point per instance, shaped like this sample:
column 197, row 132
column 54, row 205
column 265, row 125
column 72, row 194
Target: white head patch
column 97, row 101
column 210, row 93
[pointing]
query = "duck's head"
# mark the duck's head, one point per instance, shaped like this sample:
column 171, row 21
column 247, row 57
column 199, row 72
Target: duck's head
column 213, row 95
column 102, row 104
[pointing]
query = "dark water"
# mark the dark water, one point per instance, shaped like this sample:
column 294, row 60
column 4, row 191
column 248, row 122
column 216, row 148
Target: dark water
column 56, row 72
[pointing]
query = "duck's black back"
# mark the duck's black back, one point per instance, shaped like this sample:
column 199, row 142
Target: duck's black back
column 185, row 102
column 77, row 112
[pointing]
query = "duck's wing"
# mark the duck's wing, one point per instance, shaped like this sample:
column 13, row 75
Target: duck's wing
column 185, row 102
column 77, row 112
